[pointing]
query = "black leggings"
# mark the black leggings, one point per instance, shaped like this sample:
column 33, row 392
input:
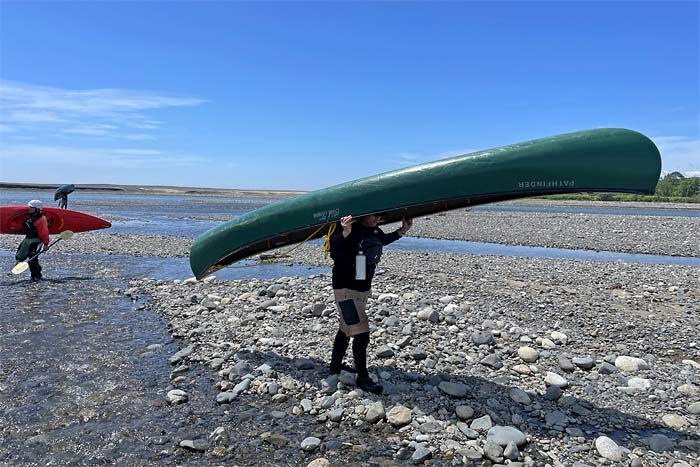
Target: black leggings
column 360, row 343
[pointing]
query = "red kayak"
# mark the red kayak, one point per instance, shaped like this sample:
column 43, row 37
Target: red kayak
column 12, row 217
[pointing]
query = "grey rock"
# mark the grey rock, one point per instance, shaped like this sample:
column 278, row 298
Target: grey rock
column 556, row 418
column 421, row 454
column 565, row 364
column 399, row 416
column 403, row 342
column 607, row 369
column 198, row 445
column 226, row 397
column 310, row 443
column 585, row 363
column 453, row 389
column 304, row 364
column 464, row 412
column 482, row 424
column 186, row 352
column 428, row 314
column 502, row 435
column 375, row 412
column 336, row 415
column 694, row 408
column 482, row 337
column 528, row 354
column 219, row 437
column 519, row 396
column 385, row 352
column 511, row 451
column 320, row 462
column 660, row 443
column 493, row 452
column 419, row 354
column 492, row 361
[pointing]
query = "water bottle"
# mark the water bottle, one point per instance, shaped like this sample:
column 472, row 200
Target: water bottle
column 360, row 267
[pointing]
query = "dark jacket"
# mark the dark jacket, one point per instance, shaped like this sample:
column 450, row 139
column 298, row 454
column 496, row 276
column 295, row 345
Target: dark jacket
column 344, row 250
column 37, row 226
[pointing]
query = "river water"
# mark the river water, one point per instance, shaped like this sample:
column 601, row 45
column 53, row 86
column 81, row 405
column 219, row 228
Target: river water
column 84, row 369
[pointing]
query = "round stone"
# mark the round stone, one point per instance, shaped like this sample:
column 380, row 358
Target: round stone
column 528, row 354
column 502, row 435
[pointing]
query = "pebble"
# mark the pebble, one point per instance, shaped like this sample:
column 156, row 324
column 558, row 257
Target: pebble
column 553, row 379
column 502, row 435
column 399, row 416
column 177, row 396
column 453, row 389
column 608, row 448
column 481, row 424
column 674, row 421
column 421, row 454
column 528, row 354
column 320, row 462
column 464, row 412
column 631, row 364
column 310, row 443
column 427, row 365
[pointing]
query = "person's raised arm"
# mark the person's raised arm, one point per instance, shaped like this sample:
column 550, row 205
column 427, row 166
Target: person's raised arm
column 406, row 225
column 346, row 223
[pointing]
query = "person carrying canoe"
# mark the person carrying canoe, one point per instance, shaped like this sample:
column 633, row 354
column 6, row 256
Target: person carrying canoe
column 63, row 202
column 356, row 249
column 36, row 232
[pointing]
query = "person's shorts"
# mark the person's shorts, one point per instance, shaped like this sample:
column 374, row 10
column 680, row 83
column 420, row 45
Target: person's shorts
column 351, row 306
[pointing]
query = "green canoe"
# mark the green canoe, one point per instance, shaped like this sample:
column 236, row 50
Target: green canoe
column 602, row 160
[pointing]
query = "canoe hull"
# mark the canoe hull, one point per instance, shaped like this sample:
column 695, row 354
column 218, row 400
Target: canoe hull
column 12, row 217
column 603, row 160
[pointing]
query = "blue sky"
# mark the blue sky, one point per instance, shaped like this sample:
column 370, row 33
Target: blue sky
column 301, row 96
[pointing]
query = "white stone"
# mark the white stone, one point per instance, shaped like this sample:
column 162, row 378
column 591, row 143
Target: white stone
column 689, row 389
column 639, row 383
column 528, row 354
column 631, row 364
column 608, row 448
column 399, row 416
column 553, row 379
column 559, row 337
column 674, row 421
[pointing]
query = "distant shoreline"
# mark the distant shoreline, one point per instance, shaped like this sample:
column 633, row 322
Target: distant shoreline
column 155, row 190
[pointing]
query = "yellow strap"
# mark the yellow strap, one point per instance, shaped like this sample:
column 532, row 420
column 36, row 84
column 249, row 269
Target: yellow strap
column 327, row 246
column 272, row 260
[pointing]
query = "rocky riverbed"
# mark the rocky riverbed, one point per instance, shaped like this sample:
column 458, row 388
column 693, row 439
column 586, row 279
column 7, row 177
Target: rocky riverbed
column 485, row 360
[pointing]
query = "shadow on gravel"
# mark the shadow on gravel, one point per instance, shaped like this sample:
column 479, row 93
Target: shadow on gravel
column 493, row 399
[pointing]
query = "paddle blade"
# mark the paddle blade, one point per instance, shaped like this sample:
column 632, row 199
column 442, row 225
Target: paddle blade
column 20, row 267
column 66, row 234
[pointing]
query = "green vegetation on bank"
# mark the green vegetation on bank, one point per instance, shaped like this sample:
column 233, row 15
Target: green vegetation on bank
column 672, row 188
